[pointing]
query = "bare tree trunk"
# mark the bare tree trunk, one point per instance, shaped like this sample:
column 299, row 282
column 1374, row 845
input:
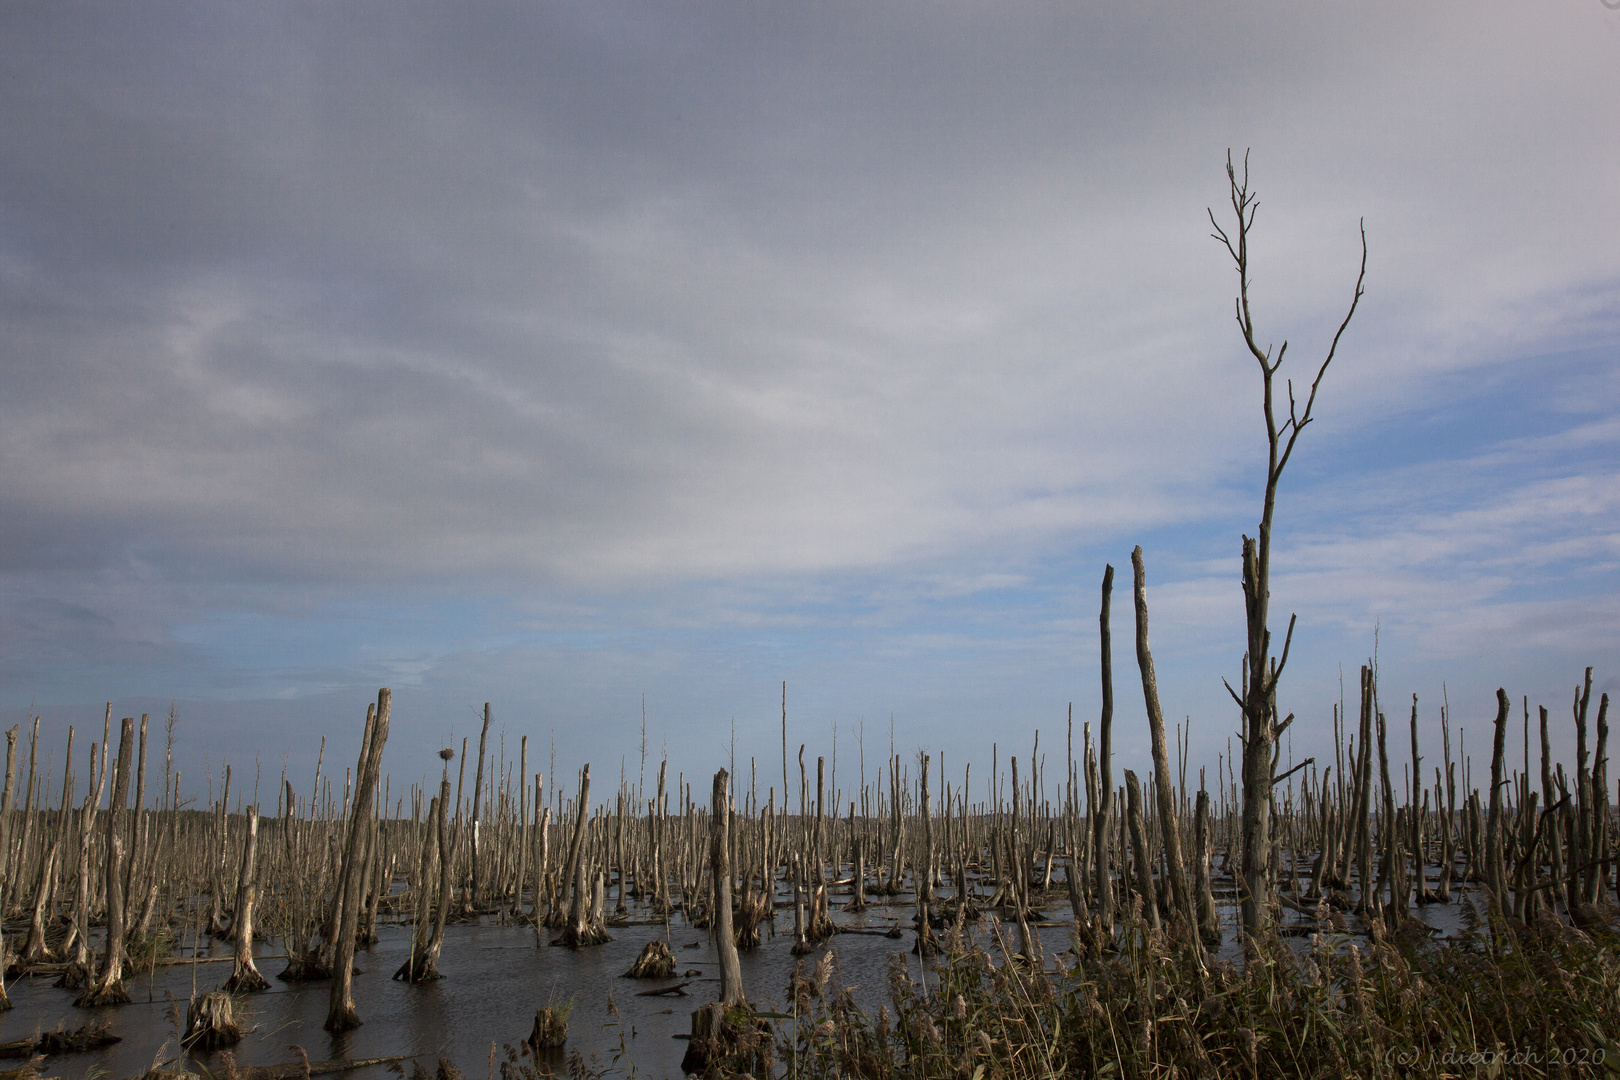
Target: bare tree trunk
column 731, row 988
column 477, row 811
column 583, row 928
column 341, row 1015
column 1139, row 844
column 1495, row 872
column 245, row 977
column 427, row 963
column 1105, row 758
column 1363, row 824
column 542, row 870
column 926, row 944
column 1180, row 895
column 78, row 970
column 1260, row 727
column 109, row 989
column 1209, row 923
column 1598, row 884
column 6, row 800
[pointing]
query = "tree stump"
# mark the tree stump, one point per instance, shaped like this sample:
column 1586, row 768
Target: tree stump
column 726, row 1042
column 308, row 967
column 211, row 1022
column 655, row 962
column 550, row 1030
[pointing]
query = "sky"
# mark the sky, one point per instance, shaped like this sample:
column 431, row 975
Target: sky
column 616, row 364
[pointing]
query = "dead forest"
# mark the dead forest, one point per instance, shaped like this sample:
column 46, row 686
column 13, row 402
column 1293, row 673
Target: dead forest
column 1394, row 908
column 106, row 868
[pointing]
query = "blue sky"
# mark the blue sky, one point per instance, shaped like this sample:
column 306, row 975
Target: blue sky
column 564, row 357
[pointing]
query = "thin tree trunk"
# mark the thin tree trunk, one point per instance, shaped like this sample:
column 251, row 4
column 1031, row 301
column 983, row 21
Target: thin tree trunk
column 731, row 988
column 1144, row 859
column 1180, row 895
column 245, row 977
column 1105, row 785
column 341, row 1015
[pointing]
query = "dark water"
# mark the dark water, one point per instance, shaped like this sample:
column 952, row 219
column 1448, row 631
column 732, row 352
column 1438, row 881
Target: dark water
column 495, row 979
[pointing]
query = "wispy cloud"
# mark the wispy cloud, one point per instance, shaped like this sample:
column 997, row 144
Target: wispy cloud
column 389, row 345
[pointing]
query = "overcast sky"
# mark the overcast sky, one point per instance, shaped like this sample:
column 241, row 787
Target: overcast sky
column 566, row 356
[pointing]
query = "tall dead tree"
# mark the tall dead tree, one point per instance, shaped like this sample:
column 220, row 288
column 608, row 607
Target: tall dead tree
column 475, row 899
column 1260, row 727
column 341, row 1015
column 245, row 977
column 725, row 942
column 1105, row 765
column 109, row 988
column 1180, row 896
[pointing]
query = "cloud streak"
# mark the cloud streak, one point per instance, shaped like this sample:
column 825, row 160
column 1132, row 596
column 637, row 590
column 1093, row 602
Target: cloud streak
column 575, row 320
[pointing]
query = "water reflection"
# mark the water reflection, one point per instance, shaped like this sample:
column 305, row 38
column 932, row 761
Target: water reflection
column 495, row 979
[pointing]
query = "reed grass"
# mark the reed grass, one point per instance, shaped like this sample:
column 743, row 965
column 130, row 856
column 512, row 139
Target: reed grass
column 1537, row 1001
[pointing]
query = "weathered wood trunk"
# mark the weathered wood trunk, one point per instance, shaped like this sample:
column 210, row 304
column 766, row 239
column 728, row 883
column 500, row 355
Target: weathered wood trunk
column 78, row 971
column 423, row 963
column 341, row 1015
column 6, row 799
column 926, row 944
column 1209, row 923
column 1180, row 895
column 731, row 988
column 1101, row 833
column 476, row 896
column 1139, row 850
column 245, row 977
column 583, row 927
column 1495, row 870
column 211, row 1023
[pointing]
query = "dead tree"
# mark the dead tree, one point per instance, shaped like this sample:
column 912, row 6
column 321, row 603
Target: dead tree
column 1105, row 766
column 341, row 1015
column 731, row 989
column 427, row 937
column 1260, row 726
column 475, row 899
column 1181, row 902
column 583, row 927
column 245, row 977
column 109, row 988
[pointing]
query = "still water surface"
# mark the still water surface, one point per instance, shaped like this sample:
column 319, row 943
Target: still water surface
column 494, row 979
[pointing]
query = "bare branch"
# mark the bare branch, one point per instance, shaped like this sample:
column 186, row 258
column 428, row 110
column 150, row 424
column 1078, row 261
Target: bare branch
column 1361, row 277
column 1283, row 776
column 1271, row 684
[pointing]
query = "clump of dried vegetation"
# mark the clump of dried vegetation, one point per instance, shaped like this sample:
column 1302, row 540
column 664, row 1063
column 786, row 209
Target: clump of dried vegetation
column 1540, row 1001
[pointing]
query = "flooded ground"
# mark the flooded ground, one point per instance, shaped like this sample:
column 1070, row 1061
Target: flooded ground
column 495, row 979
